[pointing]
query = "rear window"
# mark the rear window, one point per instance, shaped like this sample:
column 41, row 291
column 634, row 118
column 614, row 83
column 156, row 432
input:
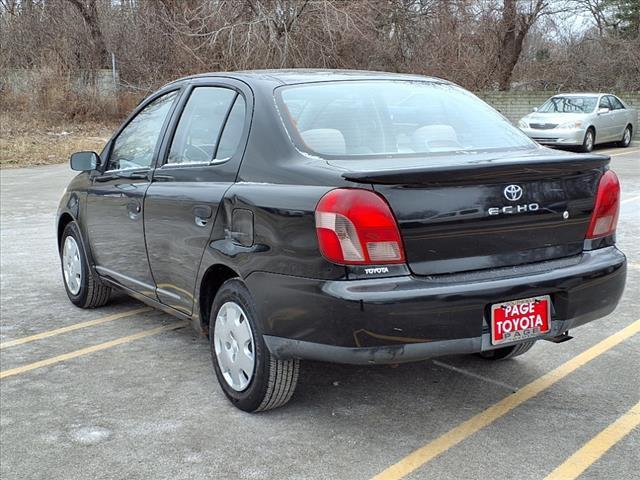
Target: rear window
column 392, row 118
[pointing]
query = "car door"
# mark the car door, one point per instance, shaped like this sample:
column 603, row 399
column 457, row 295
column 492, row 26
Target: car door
column 605, row 124
column 200, row 162
column 619, row 117
column 115, row 199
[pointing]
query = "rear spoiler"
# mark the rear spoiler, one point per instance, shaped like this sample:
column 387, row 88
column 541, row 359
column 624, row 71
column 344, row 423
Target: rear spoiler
column 470, row 173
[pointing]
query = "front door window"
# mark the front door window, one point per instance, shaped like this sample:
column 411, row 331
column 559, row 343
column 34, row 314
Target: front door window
column 135, row 147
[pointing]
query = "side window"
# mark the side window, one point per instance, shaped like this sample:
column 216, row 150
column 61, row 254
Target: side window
column 616, row 103
column 604, row 103
column 232, row 130
column 200, row 125
column 136, row 144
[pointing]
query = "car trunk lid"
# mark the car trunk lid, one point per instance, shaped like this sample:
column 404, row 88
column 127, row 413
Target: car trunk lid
column 488, row 211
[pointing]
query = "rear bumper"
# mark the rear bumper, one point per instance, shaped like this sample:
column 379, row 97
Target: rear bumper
column 408, row 318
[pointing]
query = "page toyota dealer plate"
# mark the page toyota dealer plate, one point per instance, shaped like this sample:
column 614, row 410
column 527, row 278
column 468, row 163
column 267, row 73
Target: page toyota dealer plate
column 520, row 319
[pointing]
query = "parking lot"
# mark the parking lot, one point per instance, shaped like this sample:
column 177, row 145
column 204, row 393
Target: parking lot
column 126, row 391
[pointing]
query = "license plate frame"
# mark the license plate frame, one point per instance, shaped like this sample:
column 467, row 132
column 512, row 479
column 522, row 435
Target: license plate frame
column 499, row 333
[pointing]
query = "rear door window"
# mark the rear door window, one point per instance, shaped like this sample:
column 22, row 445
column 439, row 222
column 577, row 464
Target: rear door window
column 232, row 133
column 200, row 127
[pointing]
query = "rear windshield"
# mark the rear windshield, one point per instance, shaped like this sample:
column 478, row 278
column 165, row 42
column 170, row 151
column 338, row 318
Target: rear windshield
column 570, row 104
column 392, row 118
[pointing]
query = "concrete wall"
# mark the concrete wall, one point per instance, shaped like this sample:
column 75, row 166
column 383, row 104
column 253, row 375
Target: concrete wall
column 515, row 105
column 26, row 80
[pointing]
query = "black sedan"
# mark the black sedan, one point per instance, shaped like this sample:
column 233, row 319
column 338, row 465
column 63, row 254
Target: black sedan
column 340, row 216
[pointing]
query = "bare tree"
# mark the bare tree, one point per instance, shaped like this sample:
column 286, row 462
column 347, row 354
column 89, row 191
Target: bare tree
column 480, row 44
column 515, row 23
column 89, row 13
column 597, row 10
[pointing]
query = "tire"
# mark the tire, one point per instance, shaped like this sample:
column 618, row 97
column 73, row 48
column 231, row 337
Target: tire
column 626, row 137
column 505, row 353
column 270, row 382
column 589, row 141
column 85, row 290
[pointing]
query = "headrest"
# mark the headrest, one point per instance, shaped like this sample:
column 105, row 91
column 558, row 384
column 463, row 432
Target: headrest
column 325, row 140
column 432, row 136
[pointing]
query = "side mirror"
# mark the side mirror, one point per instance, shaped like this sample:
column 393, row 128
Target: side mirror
column 535, row 109
column 603, row 110
column 84, row 161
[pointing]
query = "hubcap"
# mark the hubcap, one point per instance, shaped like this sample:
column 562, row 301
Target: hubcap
column 234, row 346
column 627, row 137
column 72, row 265
column 589, row 140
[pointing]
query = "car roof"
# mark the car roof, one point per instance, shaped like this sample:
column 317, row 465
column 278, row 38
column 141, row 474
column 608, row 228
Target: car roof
column 586, row 94
column 303, row 75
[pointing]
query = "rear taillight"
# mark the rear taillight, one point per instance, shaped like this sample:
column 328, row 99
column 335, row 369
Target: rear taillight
column 356, row 227
column 605, row 213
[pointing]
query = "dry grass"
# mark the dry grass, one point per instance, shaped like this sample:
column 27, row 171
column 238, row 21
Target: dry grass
column 46, row 120
column 26, row 141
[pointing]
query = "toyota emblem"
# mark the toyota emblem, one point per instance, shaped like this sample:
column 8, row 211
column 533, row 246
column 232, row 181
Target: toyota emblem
column 513, row 193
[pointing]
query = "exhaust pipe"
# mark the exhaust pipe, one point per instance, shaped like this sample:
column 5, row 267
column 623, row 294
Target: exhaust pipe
column 560, row 338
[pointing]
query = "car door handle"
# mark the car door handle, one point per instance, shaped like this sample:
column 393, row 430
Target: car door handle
column 202, row 214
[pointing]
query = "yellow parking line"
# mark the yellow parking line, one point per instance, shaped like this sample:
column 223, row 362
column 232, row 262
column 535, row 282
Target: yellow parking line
column 597, row 446
column 71, row 328
column 464, row 430
column 624, row 153
column 84, row 351
column 606, row 151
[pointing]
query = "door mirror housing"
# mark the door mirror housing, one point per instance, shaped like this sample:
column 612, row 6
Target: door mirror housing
column 84, row 161
column 603, row 110
column 535, row 109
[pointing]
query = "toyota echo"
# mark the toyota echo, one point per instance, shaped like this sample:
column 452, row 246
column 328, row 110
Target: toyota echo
column 340, row 216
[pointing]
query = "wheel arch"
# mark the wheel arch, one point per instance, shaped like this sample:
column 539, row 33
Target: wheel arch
column 211, row 282
column 65, row 219
column 595, row 134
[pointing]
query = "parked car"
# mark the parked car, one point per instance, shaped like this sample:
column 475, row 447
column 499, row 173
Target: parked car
column 581, row 120
column 320, row 215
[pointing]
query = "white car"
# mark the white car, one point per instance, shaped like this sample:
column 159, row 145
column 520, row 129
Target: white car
column 581, row 119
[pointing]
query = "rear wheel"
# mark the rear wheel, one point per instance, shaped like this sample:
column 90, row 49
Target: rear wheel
column 626, row 137
column 250, row 377
column 589, row 141
column 506, row 353
column 83, row 288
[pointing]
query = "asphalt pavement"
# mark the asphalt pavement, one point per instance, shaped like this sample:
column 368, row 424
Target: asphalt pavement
column 126, row 392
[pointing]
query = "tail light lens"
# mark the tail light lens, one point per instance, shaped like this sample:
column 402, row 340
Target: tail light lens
column 605, row 213
column 356, row 227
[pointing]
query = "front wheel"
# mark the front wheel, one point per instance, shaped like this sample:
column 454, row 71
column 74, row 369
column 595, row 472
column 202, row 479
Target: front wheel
column 505, row 353
column 588, row 142
column 626, row 137
column 251, row 378
column 83, row 288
